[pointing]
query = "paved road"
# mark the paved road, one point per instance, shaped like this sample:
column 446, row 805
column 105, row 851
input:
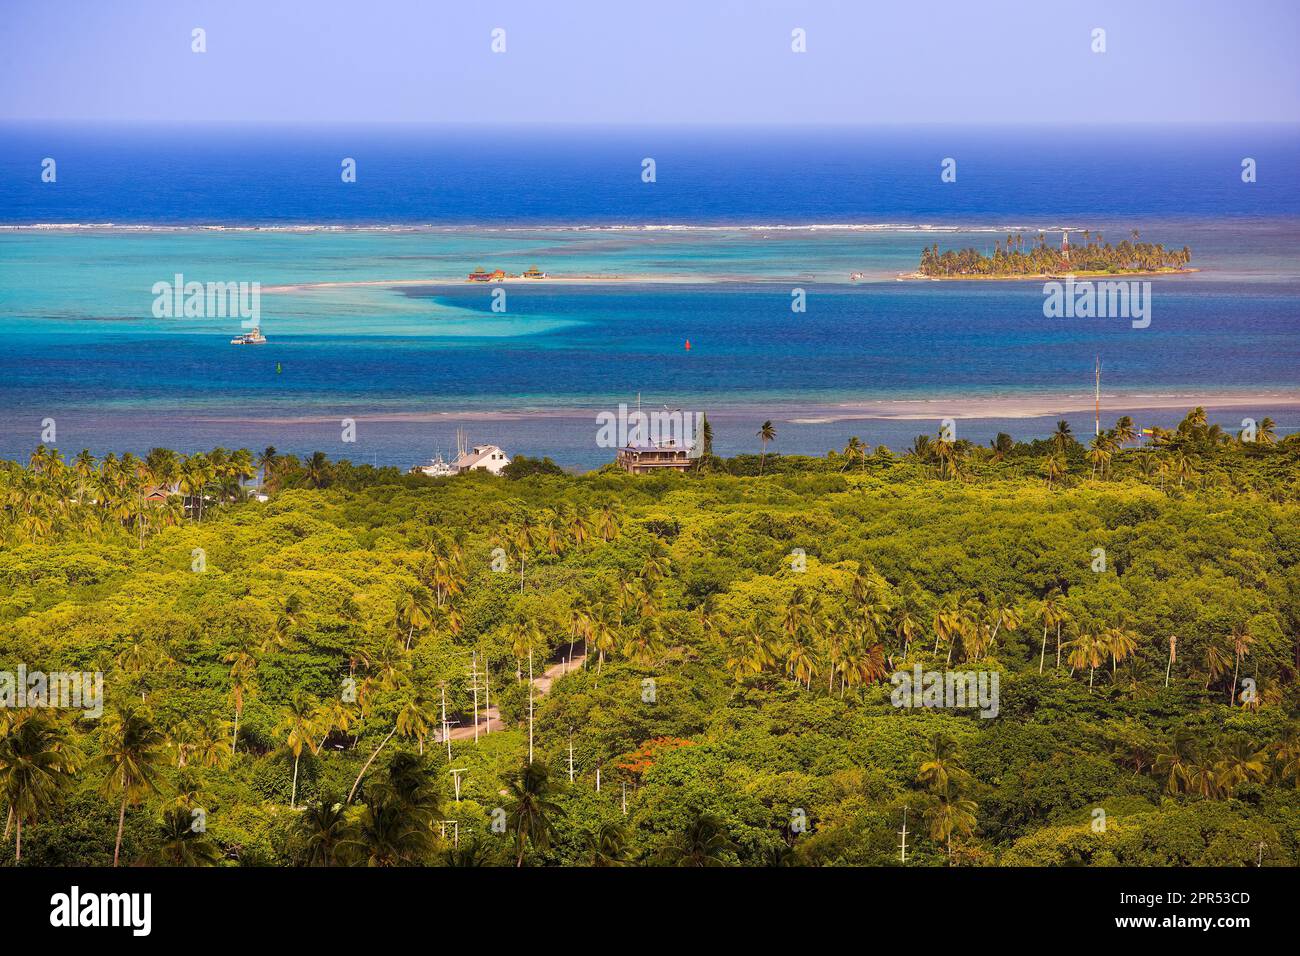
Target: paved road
column 489, row 719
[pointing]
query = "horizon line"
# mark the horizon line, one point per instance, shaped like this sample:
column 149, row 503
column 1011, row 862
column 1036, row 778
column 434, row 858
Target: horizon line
column 672, row 124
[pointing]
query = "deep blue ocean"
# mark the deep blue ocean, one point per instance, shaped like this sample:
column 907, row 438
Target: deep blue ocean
column 548, row 175
column 413, row 361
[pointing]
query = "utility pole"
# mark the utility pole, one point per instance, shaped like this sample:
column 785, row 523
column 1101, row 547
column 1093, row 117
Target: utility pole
column 570, row 755
column 1097, row 422
column 624, row 798
column 446, row 732
column 473, row 678
column 903, row 833
column 598, row 776
column 487, row 696
column 530, row 703
column 455, row 776
column 455, row 831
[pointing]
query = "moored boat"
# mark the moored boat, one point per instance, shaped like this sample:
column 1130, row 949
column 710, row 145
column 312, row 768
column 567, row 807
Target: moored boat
column 255, row 337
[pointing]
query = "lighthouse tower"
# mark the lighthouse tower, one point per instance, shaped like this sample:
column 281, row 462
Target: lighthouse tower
column 1065, row 243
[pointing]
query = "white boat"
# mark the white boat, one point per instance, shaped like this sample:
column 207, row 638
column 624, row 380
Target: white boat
column 436, row 468
column 254, row 337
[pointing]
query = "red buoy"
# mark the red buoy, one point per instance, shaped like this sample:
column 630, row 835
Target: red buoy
column 688, row 345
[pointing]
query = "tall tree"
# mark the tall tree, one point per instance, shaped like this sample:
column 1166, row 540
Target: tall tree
column 130, row 752
column 766, row 433
column 36, row 766
column 530, row 811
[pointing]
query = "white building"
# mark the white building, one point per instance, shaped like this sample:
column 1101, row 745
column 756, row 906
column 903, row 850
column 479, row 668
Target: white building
column 482, row 458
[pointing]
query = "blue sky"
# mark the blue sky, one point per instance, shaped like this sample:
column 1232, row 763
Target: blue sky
column 661, row 61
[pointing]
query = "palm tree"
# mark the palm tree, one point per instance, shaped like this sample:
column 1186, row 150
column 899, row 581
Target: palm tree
column 1004, row 615
column 300, row 726
column 388, row 677
column 181, row 844
column 1285, row 757
column 196, row 473
column 413, row 612
column 940, row 764
column 1202, row 779
column 1053, row 469
column 325, row 834
column 703, row 843
column 656, row 565
column 1266, row 434
column 607, row 522
column 1241, row 641
column 130, row 752
column 316, row 470
column 950, row 814
column 1087, row 650
column 800, row 661
column 266, row 463
column 469, row 853
column 524, row 635
column 751, row 651
column 1175, row 760
column 606, row 845
column 854, row 450
column 530, row 813
column 417, row 719
column 1063, row 437
column 243, row 669
column 905, row 626
column 1241, row 762
column 579, row 527
column 766, row 433
column 603, row 634
column 387, row 835
column 580, row 626
column 1162, row 472
column 1120, row 644
column 1183, row 468
column 1053, row 613
column 1099, row 456
column 35, row 767
column 641, row 643
column 1215, row 660
column 523, row 540
column 408, row 783
column 1125, row 430
column 946, row 623
column 554, row 530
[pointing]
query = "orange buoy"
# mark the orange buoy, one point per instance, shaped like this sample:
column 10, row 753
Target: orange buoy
column 688, row 345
